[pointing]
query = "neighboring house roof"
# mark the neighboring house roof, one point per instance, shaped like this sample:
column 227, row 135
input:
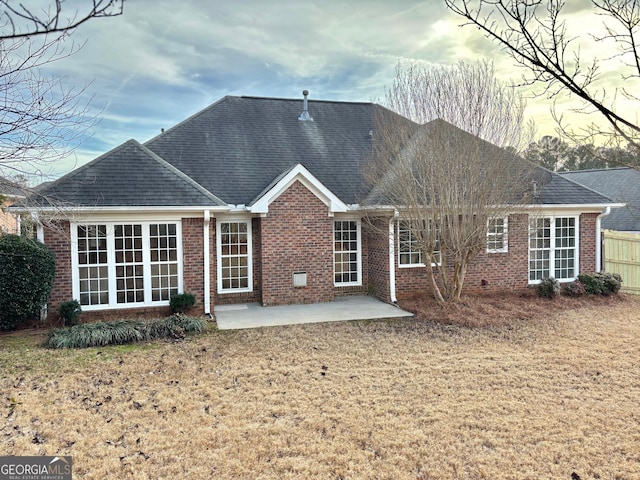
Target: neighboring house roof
column 238, row 149
column 621, row 184
column 128, row 175
column 11, row 189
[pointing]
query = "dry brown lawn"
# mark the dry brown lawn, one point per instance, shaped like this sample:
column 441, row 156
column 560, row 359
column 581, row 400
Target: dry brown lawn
column 537, row 398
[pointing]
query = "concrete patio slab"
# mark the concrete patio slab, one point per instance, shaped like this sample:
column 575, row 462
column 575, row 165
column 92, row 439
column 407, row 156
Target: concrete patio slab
column 252, row 315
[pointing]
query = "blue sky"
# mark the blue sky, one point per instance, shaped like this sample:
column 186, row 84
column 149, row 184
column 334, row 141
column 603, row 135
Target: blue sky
column 162, row 61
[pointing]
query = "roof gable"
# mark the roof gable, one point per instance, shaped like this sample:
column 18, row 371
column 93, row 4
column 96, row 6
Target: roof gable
column 128, row 175
column 285, row 180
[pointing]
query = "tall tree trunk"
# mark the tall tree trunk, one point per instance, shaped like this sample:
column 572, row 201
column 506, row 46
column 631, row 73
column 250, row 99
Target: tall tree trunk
column 437, row 294
column 458, row 278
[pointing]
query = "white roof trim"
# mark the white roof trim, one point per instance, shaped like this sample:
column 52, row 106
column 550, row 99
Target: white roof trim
column 304, row 176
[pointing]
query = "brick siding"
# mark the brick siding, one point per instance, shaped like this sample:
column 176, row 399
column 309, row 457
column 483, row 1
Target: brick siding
column 297, row 235
column 57, row 238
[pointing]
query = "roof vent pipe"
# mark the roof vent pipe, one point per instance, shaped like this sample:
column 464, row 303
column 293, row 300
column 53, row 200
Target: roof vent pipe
column 304, row 116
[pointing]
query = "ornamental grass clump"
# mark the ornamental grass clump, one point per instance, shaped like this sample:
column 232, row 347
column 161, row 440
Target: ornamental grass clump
column 120, row 332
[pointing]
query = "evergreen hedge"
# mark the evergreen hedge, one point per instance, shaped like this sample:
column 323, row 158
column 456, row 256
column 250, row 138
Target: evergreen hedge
column 27, row 268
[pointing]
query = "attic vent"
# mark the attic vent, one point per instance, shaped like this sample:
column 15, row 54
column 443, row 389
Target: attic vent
column 304, row 116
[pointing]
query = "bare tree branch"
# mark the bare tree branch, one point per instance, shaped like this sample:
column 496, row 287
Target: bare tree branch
column 24, row 22
column 536, row 38
column 41, row 119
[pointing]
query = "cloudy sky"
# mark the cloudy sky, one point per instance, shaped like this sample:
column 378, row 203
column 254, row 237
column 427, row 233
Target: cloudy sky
column 164, row 60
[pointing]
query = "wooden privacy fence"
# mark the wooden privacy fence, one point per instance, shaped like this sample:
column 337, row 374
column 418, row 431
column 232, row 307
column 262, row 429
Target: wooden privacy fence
column 622, row 255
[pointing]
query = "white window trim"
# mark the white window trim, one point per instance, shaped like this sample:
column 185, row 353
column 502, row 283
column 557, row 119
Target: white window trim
column 552, row 258
column 111, row 264
column 358, row 256
column 412, row 265
column 505, row 236
column 219, row 222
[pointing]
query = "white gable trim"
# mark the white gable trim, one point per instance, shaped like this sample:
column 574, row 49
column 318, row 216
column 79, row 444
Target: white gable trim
column 304, row 176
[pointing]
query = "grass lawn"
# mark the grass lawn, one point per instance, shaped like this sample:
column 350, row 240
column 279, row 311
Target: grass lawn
column 530, row 399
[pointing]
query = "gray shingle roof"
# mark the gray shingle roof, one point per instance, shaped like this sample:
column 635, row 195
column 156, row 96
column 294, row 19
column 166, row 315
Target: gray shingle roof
column 621, row 184
column 11, row 189
column 231, row 151
column 128, row 175
column 552, row 188
column 240, row 145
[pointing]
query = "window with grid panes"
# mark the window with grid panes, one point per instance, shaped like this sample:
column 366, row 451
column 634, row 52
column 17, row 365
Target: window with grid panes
column 163, row 242
column 129, row 263
column 234, row 240
column 93, row 268
column 497, row 235
column 346, row 249
column 552, row 248
column 143, row 259
column 409, row 253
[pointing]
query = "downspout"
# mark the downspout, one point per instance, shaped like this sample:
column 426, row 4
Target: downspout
column 44, row 311
column 605, row 212
column 207, row 265
column 392, row 259
column 39, row 228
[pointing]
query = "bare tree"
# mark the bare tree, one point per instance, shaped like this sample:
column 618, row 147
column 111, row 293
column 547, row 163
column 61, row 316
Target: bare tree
column 535, row 34
column 40, row 118
column 448, row 185
column 467, row 95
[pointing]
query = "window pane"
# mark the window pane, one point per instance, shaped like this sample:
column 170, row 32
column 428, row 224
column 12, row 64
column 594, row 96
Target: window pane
column 129, row 268
column 92, row 251
column 163, row 242
column 345, row 265
column 234, row 255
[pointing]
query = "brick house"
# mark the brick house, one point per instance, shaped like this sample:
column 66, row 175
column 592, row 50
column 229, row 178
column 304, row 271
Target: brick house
column 257, row 200
column 10, row 193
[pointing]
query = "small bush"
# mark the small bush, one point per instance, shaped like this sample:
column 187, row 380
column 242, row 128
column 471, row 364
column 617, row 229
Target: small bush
column 182, row 302
column 593, row 283
column 601, row 283
column 574, row 289
column 101, row 334
column 612, row 282
column 26, row 276
column 70, row 312
column 548, row 288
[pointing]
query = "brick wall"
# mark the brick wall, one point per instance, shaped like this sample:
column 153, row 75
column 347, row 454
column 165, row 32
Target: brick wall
column 8, row 221
column 588, row 242
column 193, row 260
column 490, row 272
column 297, row 235
column 376, row 238
column 56, row 237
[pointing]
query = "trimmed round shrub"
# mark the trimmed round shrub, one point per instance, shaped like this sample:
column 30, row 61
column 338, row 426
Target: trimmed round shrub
column 26, row 276
column 601, row 283
column 612, row 282
column 574, row 289
column 70, row 312
column 593, row 283
column 548, row 288
column 182, row 302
